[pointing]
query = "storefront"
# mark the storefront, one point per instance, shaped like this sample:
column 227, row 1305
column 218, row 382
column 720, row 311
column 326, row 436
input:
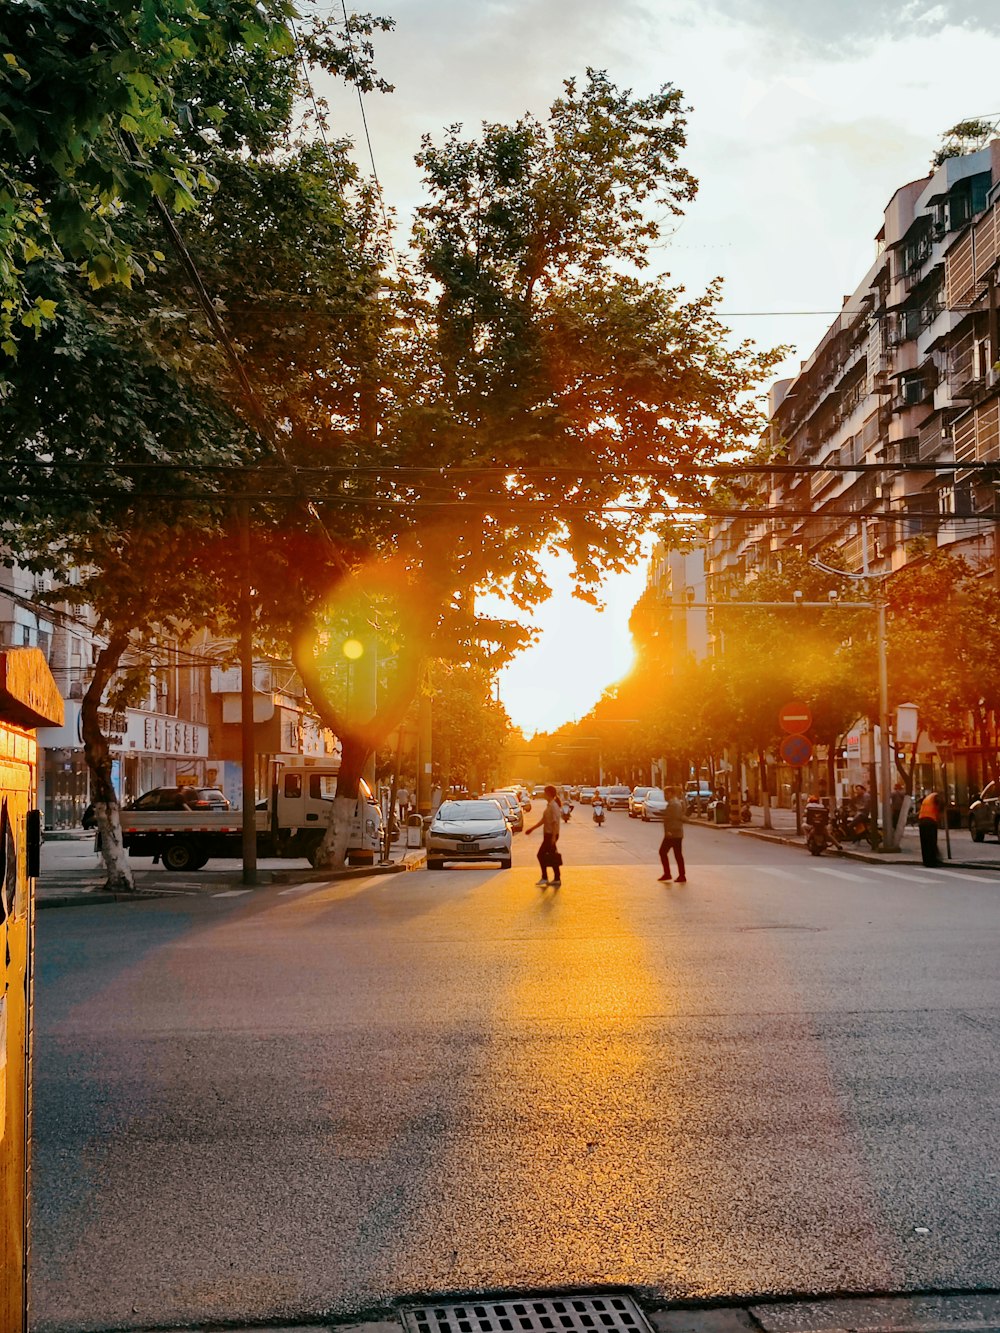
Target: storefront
column 148, row 749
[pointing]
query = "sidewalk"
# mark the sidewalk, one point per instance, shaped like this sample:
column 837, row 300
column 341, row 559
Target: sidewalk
column 965, row 854
column 72, row 874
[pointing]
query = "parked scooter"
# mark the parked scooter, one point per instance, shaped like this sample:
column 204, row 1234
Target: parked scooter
column 850, row 824
column 598, row 813
column 819, row 835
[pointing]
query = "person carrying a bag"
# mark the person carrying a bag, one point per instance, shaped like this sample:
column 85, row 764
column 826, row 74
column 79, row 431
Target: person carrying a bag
column 548, row 853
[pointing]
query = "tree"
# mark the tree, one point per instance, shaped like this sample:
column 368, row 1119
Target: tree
column 124, row 383
column 538, row 392
column 105, row 109
column 470, row 726
column 943, row 627
column 524, row 386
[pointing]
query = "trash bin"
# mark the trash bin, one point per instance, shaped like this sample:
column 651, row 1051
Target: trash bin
column 414, row 831
column 721, row 812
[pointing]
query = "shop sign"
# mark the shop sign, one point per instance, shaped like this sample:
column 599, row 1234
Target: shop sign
column 154, row 734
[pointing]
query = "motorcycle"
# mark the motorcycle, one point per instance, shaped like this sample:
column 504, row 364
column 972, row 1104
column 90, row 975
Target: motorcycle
column 567, row 810
column 818, row 833
column 850, row 824
column 745, row 813
column 598, row 814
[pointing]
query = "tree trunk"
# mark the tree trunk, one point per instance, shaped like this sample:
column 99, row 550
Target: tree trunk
column 332, row 851
column 98, row 756
column 765, row 794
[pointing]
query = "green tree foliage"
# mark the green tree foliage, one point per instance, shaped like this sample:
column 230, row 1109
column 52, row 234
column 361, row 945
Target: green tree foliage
column 106, row 107
column 510, row 391
column 470, row 726
column 944, row 630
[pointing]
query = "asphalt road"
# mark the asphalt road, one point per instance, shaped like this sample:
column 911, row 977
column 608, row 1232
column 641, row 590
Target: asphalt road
column 781, row 1077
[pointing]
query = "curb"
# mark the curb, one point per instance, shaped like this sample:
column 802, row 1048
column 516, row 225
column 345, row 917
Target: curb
column 868, row 858
column 88, row 898
column 916, row 1312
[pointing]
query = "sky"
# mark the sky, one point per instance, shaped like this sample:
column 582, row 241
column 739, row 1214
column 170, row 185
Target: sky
column 805, row 117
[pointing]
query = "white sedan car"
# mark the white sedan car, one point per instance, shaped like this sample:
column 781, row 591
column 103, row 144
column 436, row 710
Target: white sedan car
column 468, row 831
column 652, row 805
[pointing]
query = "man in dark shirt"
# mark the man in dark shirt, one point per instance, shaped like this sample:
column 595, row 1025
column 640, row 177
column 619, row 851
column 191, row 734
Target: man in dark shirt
column 673, row 836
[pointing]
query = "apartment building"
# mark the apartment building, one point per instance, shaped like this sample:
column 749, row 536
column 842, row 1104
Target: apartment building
column 669, row 615
column 903, row 375
column 181, row 723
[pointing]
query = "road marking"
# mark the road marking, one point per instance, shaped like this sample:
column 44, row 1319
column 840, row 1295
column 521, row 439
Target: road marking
column 896, row 874
column 841, row 874
column 782, row 874
column 232, row 893
column 918, row 872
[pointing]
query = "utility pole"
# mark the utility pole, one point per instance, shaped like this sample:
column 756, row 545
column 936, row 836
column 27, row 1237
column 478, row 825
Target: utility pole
column 247, row 748
column 888, row 840
column 424, row 757
column 367, row 693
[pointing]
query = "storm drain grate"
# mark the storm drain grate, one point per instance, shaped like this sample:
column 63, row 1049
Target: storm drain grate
column 577, row 1314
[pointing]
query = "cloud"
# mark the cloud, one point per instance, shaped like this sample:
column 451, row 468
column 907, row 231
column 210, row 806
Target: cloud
column 838, row 27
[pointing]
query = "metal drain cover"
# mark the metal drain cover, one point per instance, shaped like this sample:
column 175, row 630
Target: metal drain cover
column 551, row 1314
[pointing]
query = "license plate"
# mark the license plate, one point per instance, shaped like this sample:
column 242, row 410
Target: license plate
column 472, row 846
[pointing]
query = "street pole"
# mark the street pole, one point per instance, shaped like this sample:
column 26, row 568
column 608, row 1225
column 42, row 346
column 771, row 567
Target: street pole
column 424, row 725
column 247, row 755
column 888, row 839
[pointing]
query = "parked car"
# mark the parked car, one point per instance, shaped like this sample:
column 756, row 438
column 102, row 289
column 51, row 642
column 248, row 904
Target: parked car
column 587, row 795
column 180, row 798
column 653, row 804
column 615, row 798
column 984, row 814
column 636, row 798
column 695, row 791
column 468, row 831
column 508, row 802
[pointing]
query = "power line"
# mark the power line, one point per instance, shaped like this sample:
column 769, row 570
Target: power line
column 487, row 506
column 730, row 469
column 368, row 137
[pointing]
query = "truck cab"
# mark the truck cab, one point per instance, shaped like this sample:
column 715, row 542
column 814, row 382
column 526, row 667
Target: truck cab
column 300, row 812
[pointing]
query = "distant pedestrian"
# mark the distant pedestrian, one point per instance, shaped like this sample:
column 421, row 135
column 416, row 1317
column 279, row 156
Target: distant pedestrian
column 673, row 836
column 403, row 799
column 548, row 853
column 931, row 810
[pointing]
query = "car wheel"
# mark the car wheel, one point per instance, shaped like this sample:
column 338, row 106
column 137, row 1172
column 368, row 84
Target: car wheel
column 434, row 864
column 179, row 854
column 505, row 865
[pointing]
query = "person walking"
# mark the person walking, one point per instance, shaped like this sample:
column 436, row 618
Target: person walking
column 548, row 853
column 673, row 836
column 931, row 810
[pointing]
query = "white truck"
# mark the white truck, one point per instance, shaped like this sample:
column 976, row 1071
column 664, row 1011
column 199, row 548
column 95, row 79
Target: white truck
column 290, row 824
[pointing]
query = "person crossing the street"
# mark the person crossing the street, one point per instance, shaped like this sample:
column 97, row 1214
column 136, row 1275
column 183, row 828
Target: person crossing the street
column 548, row 853
column 673, row 836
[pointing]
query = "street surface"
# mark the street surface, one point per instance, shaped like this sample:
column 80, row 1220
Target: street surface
column 781, row 1077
